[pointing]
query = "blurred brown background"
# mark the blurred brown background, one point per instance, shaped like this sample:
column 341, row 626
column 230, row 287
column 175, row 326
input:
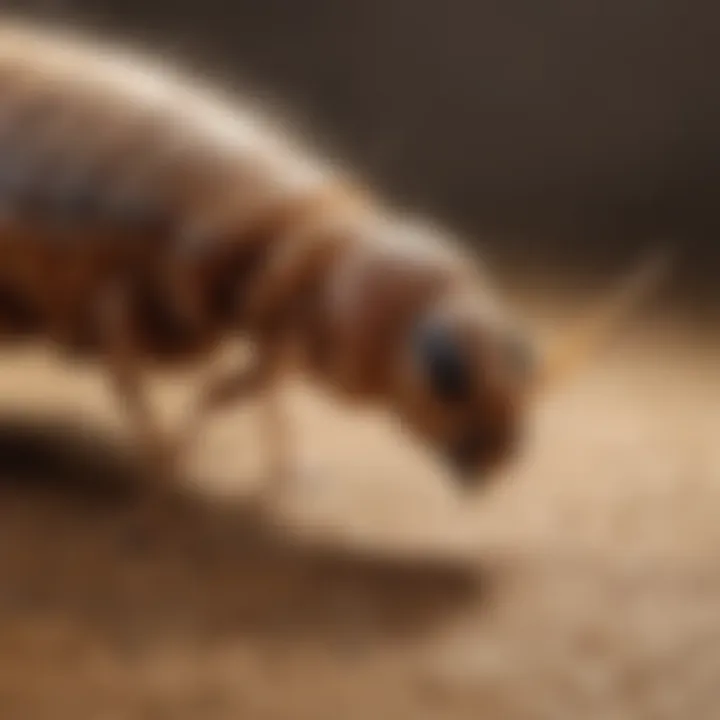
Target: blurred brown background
column 571, row 132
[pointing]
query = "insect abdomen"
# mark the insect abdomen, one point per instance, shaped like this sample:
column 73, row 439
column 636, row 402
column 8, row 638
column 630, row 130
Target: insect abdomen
column 104, row 166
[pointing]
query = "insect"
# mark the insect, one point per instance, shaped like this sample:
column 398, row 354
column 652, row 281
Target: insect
column 145, row 219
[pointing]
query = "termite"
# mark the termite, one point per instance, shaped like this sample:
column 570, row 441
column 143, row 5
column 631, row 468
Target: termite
column 146, row 219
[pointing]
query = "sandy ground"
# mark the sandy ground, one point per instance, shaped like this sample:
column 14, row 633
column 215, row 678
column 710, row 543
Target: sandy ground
column 584, row 584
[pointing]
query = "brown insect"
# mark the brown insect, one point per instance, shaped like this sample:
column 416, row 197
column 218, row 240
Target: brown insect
column 145, row 219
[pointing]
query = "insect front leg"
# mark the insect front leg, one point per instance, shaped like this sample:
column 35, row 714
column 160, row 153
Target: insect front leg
column 129, row 383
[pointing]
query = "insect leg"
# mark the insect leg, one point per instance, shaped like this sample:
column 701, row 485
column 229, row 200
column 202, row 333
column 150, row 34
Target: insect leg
column 260, row 378
column 126, row 377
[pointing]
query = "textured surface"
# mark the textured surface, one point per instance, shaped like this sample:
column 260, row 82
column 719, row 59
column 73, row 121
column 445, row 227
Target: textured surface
column 585, row 585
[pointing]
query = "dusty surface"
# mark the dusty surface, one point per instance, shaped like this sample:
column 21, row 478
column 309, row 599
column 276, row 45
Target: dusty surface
column 585, row 585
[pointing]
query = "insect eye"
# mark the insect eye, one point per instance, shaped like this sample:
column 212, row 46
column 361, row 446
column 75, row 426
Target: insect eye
column 442, row 361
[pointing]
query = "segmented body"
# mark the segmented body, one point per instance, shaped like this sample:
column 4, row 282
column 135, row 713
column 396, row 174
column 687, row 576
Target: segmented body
column 115, row 171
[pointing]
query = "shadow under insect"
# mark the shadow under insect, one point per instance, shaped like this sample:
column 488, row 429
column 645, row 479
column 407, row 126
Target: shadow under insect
column 70, row 551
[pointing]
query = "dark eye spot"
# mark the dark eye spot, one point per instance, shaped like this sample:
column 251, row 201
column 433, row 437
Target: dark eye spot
column 444, row 365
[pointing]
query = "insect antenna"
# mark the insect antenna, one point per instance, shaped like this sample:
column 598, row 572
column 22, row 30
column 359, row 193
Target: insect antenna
column 577, row 346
